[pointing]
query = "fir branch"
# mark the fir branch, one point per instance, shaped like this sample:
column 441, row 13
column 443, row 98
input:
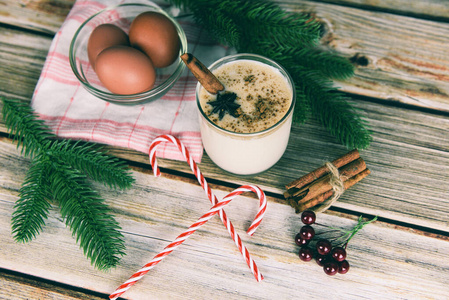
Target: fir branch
column 264, row 20
column 88, row 217
column 24, row 127
column 219, row 23
column 59, row 171
column 239, row 23
column 328, row 64
column 340, row 119
column 95, row 164
column 223, row 27
column 333, row 111
column 31, row 210
column 302, row 109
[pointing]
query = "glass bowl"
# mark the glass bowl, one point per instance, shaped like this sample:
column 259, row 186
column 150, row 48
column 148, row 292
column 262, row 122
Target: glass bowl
column 122, row 15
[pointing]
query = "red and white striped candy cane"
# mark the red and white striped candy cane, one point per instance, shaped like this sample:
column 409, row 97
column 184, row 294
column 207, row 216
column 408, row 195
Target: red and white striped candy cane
column 213, row 199
column 182, row 237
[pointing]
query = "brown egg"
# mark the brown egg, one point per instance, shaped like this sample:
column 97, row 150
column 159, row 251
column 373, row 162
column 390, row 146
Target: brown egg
column 102, row 37
column 125, row 70
column 156, row 35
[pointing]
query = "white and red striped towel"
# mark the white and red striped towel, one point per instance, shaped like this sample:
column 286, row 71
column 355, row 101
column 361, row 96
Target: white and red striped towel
column 71, row 112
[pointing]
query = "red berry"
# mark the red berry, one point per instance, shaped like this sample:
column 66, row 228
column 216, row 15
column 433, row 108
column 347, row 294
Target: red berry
column 330, row 268
column 308, row 217
column 323, row 246
column 300, row 241
column 307, row 232
column 338, row 253
column 321, row 259
column 343, row 267
column 305, row 253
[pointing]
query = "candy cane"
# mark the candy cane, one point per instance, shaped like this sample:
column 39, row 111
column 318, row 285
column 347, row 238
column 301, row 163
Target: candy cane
column 186, row 234
column 213, row 199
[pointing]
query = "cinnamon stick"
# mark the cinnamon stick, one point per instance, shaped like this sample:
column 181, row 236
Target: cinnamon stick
column 325, row 196
column 322, row 185
column 202, row 73
column 339, row 162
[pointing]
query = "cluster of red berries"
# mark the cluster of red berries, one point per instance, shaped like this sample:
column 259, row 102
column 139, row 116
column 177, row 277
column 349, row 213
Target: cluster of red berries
column 331, row 258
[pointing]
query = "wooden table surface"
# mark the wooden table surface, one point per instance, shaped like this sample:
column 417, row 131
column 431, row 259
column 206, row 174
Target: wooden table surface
column 401, row 87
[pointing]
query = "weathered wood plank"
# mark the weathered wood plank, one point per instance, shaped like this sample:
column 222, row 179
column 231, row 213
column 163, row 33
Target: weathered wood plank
column 37, row 15
column 15, row 286
column 398, row 58
column 208, row 264
column 22, row 56
column 425, row 8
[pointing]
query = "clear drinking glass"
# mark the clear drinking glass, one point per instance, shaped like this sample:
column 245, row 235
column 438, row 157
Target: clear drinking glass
column 246, row 153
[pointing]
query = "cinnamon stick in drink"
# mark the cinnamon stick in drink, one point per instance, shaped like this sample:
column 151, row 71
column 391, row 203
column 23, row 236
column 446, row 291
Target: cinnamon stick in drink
column 202, row 73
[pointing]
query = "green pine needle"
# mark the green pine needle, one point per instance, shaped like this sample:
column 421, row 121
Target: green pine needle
column 59, row 173
column 332, row 109
column 94, row 163
column 264, row 20
column 28, row 131
column 327, row 63
column 31, row 210
column 89, row 218
column 224, row 28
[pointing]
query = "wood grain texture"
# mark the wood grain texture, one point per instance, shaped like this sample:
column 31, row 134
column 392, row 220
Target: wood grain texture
column 22, row 56
column 398, row 58
column 38, row 15
column 432, row 9
column 208, row 264
column 18, row 286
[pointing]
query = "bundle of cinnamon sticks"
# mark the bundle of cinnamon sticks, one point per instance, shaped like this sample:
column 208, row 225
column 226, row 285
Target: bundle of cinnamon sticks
column 315, row 188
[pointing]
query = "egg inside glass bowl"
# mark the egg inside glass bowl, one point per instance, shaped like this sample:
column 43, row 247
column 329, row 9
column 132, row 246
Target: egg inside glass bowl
column 122, row 16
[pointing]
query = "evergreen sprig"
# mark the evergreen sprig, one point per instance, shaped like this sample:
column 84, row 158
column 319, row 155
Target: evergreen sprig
column 60, row 171
column 32, row 207
column 291, row 39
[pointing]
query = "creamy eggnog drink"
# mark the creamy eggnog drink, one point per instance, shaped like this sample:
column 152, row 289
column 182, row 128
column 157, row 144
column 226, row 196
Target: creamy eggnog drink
column 245, row 129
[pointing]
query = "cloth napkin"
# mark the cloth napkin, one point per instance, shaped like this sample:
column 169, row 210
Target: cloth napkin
column 71, row 112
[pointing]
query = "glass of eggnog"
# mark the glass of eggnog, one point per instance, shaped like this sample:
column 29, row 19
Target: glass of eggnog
column 250, row 135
